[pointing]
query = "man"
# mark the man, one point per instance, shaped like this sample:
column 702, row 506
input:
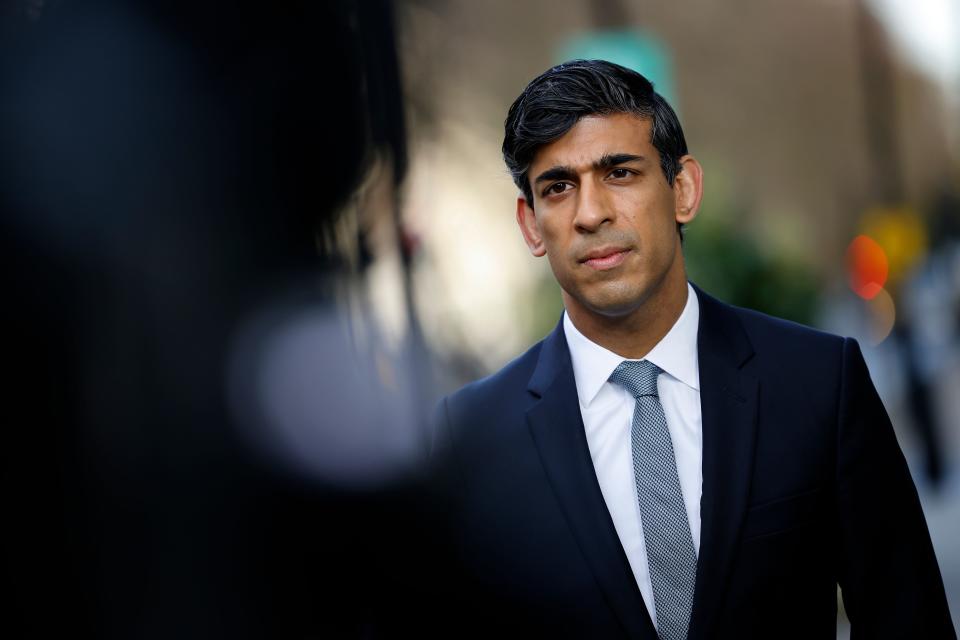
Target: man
column 663, row 464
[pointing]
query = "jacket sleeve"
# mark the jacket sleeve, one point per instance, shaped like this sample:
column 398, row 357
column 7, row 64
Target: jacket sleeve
column 887, row 571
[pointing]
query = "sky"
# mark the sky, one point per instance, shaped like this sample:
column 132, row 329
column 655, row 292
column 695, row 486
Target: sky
column 929, row 33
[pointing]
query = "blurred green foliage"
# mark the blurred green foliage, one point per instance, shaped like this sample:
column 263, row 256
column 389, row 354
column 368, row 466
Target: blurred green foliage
column 542, row 312
column 732, row 266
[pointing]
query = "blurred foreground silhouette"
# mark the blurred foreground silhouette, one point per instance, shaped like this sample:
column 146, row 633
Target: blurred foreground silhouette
column 206, row 429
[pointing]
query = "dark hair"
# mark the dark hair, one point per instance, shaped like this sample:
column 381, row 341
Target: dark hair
column 556, row 100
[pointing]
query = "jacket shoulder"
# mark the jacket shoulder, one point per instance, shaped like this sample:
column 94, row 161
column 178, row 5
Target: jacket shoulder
column 750, row 331
column 762, row 325
column 485, row 411
column 494, row 388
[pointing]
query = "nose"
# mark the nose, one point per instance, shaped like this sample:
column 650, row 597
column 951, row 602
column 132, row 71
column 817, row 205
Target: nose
column 592, row 208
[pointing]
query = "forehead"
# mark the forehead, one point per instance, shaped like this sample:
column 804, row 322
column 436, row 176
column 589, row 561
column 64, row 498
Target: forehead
column 595, row 136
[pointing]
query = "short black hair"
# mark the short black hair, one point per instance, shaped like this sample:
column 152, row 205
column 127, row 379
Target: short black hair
column 556, row 100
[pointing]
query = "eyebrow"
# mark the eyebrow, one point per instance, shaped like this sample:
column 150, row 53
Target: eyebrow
column 605, row 161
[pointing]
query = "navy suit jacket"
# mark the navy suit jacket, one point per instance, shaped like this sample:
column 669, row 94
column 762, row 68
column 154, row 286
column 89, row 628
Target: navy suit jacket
column 804, row 488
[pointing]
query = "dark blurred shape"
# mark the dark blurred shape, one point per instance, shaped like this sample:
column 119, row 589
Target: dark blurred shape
column 168, row 170
column 928, row 332
column 920, row 404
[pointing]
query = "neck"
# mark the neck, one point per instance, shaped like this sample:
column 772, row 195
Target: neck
column 634, row 334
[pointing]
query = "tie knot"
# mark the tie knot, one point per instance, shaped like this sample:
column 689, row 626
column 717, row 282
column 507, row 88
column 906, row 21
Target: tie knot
column 637, row 377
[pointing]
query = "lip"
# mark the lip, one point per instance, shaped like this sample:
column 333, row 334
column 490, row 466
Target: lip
column 605, row 258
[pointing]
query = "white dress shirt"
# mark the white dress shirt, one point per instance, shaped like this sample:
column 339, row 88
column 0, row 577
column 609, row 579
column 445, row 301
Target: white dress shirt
column 607, row 411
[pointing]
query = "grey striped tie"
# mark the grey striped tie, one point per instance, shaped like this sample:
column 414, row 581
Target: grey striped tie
column 666, row 529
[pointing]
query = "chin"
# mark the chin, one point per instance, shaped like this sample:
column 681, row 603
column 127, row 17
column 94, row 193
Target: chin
column 614, row 306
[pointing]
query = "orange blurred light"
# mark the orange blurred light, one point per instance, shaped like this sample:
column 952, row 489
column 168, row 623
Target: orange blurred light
column 868, row 267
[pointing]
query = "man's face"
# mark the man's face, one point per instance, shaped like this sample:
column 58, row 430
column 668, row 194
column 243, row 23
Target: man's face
column 605, row 216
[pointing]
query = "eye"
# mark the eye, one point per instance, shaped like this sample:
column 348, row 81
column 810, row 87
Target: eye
column 557, row 188
column 620, row 173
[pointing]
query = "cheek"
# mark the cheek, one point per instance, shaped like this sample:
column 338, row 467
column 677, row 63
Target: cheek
column 555, row 237
column 561, row 269
column 650, row 215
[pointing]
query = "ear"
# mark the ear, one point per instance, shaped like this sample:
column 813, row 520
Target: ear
column 527, row 220
column 688, row 189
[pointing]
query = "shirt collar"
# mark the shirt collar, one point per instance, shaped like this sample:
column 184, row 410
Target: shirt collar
column 675, row 354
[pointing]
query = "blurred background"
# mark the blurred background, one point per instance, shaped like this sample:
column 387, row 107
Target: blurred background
column 246, row 248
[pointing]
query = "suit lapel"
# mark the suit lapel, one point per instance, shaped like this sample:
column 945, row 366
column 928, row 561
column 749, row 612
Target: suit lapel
column 557, row 429
column 728, row 402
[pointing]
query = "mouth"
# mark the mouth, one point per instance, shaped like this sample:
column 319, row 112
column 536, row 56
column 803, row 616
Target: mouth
column 605, row 258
